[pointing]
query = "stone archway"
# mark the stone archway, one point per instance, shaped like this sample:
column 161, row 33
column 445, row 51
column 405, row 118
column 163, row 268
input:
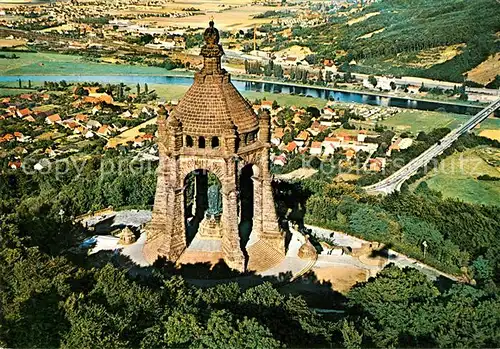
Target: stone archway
column 248, row 186
column 199, row 212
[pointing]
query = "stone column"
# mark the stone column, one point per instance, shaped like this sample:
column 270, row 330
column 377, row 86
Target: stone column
column 271, row 232
column 178, row 230
column 257, row 208
column 233, row 256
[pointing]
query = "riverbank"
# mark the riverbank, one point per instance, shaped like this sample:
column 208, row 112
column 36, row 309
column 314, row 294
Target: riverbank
column 39, row 64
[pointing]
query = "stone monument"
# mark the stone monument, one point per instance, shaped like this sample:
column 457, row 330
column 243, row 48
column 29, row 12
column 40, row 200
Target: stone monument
column 214, row 130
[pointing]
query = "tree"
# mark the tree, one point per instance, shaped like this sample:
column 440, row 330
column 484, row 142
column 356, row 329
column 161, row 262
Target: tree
column 138, row 89
column 372, row 80
column 146, row 89
column 352, row 338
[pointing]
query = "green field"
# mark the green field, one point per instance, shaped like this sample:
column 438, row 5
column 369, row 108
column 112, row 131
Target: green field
column 59, row 64
column 456, row 178
column 170, row 92
column 13, row 91
column 414, row 121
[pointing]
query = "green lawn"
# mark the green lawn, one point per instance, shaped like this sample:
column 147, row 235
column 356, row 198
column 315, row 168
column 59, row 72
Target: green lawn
column 169, row 92
column 59, row 64
column 13, row 91
column 415, row 121
column 456, row 178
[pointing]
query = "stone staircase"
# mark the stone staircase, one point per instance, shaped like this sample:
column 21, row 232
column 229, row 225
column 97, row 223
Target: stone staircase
column 261, row 256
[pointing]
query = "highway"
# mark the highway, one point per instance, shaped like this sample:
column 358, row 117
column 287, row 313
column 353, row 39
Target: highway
column 394, row 181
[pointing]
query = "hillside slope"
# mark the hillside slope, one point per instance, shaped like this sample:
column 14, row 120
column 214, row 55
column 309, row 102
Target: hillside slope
column 394, row 40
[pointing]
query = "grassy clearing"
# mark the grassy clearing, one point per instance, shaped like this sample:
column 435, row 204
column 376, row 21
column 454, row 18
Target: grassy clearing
column 414, row 121
column 429, row 57
column 13, row 91
column 167, row 92
column 486, row 71
column 363, row 18
column 456, row 177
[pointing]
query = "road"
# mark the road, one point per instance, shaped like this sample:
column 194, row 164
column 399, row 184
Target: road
column 394, row 181
column 429, row 83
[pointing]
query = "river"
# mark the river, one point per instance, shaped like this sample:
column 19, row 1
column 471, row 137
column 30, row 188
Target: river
column 316, row 92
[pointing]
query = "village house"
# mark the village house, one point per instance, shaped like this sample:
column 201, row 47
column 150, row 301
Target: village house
column 29, row 118
column 51, row 153
column 301, row 138
column 96, row 109
column 93, row 124
column 138, row 142
column 104, row 130
column 399, row 144
column 19, row 137
column 350, row 153
column 81, row 118
column 70, row 124
column 291, row 147
column 332, row 141
column 377, row 164
column 126, row 114
column 148, row 137
column 316, row 128
column 327, row 113
column 280, row 160
column 8, row 137
column 268, row 105
column 88, row 134
column 16, row 164
column 277, row 136
column 316, row 148
column 53, row 119
column 328, row 149
column 23, row 113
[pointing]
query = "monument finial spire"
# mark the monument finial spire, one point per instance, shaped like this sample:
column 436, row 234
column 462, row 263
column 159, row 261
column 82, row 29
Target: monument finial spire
column 212, row 51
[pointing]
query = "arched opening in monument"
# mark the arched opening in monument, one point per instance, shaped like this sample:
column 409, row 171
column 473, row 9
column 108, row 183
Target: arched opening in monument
column 247, row 198
column 215, row 142
column 201, row 142
column 202, row 205
column 189, row 142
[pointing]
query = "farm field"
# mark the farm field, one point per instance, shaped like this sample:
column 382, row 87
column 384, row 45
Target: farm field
column 486, row 71
column 230, row 19
column 13, row 92
column 129, row 135
column 456, row 177
column 414, row 121
column 58, row 64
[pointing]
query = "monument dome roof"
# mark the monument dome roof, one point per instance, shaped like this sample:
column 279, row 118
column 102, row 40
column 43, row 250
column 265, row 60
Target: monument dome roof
column 212, row 105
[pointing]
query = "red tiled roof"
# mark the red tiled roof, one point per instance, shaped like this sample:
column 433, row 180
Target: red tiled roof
column 291, row 146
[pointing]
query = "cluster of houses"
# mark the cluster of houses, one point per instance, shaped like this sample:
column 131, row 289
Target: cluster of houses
column 36, row 112
column 307, row 141
column 323, row 139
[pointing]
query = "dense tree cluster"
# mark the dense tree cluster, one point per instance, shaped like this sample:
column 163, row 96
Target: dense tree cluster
column 54, row 295
column 457, row 234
